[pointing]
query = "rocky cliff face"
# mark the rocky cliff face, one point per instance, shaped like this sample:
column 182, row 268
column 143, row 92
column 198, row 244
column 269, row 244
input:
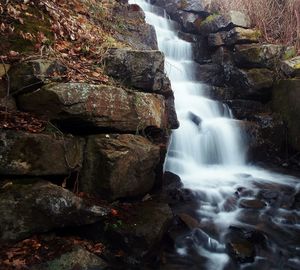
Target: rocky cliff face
column 103, row 139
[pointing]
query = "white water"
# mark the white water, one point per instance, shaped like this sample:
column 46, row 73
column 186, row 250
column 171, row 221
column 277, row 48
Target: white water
column 206, row 152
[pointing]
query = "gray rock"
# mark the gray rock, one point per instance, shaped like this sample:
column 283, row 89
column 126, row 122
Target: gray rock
column 119, row 166
column 82, row 105
column 139, row 69
column 38, row 154
column 78, row 258
column 30, row 75
column 257, row 55
column 29, row 208
column 212, row 74
column 291, row 67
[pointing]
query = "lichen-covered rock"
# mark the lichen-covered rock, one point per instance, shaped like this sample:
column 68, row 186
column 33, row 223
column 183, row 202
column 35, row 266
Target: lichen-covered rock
column 216, row 23
column 119, row 166
column 81, row 105
column 139, row 69
column 24, row 153
column 286, row 101
column 79, row 259
column 253, row 83
column 291, row 67
column 236, row 35
column 29, row 208
column 257, row 55
column 30, row 75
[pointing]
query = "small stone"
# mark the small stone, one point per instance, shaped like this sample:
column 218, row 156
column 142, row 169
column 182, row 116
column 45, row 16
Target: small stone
column 242, row 252
column 254, row 204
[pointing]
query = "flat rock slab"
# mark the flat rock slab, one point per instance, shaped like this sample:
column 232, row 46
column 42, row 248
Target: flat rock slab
column 82, row 105
column 24, row 153
column 119, row 166
column 29, row 207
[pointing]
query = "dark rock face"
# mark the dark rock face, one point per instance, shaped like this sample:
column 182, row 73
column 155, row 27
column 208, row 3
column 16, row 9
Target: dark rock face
column 82, row 105
column 245, row 109
column 40, row 207
column 119, row 166
column 38, row 154
column 31, row 75
column 132, row 68
column 212, row 74
column 286, row 101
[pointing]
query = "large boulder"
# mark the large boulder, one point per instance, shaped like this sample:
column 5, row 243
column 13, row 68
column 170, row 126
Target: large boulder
column 143, row 228
column 212, row 74
column 286, row 101
column 245, row 109
column 253, row 83
column 291, row 67
column 35, row 207
column 78, row 258
column 257, row 55
column 80, row 106
column 30, row 75
column 216, row 23
column 24, row 153
column 237, row 35
column 265, row 136
column 118, row 166
column 134, row 69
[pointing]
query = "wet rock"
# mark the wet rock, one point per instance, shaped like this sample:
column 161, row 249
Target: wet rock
column 212, row 74
column 30, row 207
column 291, row 67
column 201, row 51
column 79, row 259
column 257, row 55
column 132, row 68
column 221, row 93
column 253, row 204
column 31, row 75
column 171, row 181
column 244, row 192
column 80, row 106
column 222, row 56
column 229, row 204
column 173, row 122
column 189, row 221
column 286, row 101
column 119, row 166
column 245, row 109
column 236, row 35
column 144, row 229
column 243, row 252
column 195, row 119
column 251, row 83
column 39, row 154
column 216, row 23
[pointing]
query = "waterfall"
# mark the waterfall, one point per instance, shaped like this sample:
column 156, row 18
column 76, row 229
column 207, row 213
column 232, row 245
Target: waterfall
column 207, row 151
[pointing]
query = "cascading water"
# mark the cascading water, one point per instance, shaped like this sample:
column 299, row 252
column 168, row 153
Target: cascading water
column 207, row 153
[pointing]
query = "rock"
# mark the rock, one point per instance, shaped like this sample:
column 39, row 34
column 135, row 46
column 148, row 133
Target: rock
column 4, row 68
column 145, row 228
column 253, row 204
column 216, row 23
column 212, row 74
column 8, row 103
column 245, row 109
column 222, row 56
column 171, row 181
column 201, row 51
column 286, row 101
column 119, row 166
column 189, row 221
column 38, row 154
column 133, row 68
column 80, row 106
column 79, row 258
column 242, row 252
column 236, row 35
column 173, row 122
column 221, row 93
column 291, row 67
column 253, row 83
column 257, row 55
column 28, row 208
column 265, row 137
column 31, row 75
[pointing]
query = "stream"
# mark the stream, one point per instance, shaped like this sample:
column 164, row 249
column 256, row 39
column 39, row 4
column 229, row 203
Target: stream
column 248, row 216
